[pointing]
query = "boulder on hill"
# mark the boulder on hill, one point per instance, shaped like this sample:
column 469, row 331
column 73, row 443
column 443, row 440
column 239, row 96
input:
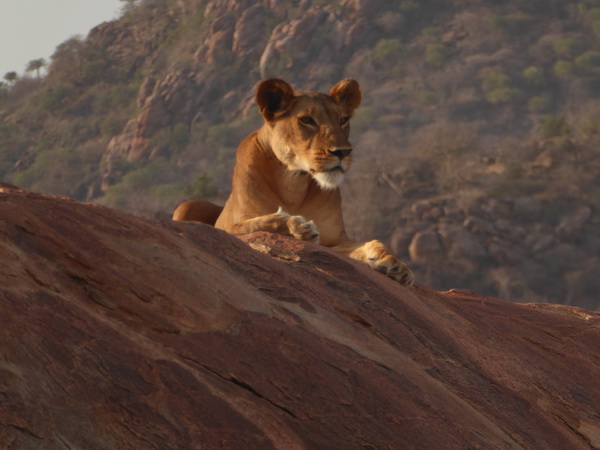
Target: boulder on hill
column 119, row 332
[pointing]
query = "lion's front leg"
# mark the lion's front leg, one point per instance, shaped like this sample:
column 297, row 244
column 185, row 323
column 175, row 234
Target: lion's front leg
column 376, row 255
column 281, row 223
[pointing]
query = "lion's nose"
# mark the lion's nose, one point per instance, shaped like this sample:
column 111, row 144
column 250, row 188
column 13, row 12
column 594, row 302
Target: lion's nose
column 341, row 152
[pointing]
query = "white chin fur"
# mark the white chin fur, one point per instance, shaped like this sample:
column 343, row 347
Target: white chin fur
column 329, row 180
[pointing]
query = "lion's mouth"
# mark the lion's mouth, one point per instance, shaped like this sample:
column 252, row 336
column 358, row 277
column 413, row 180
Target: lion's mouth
column 332, row 170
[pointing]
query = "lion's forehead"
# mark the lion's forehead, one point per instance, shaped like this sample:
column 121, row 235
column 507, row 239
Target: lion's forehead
column 316, row 104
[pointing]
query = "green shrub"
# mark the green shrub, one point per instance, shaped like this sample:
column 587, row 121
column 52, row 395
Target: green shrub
column 587, row 62
column 167, row 191
column 119, row 96
column 590, row 13
column 137, row 184
column 388, row 51
column 567, row 47
column 170, row 140
column 430, row 98
column 563, row 69
column 202, row 189
column 96, row 70
column 513, row 23
column 435, row 55
column 54, row 171
column 280, row 67
column 111, row 125
column 538, row 104
column 555, row 126
column 497, row 21
column 534, row 75
column 435, row 32
column 495, row 80
column 142, row 177
column 408, row 5
column 496, row 84
column 363, row 118
column 223, row 135
column 504, row 95
column 79, row 131
column 55, row 98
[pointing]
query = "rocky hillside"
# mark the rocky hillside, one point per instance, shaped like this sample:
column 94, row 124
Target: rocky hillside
column 120, row 332
column 474, row 112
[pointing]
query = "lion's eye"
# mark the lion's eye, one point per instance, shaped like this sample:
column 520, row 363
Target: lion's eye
column 344, row 121
column 307, row 120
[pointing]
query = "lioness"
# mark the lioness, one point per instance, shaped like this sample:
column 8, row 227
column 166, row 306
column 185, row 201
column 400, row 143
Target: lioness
column 287, row 174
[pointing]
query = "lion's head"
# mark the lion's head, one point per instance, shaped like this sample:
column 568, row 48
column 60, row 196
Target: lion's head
column 308, row 131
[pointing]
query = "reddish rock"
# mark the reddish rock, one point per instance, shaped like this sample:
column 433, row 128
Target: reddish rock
column 505, row 254
column 461, row 246
column 248, row 31
column 426, row 246
column 167, row 102
column 219, row 41
column 119, row 332
column 291, row 38
column 570, row 226
column 479, row 226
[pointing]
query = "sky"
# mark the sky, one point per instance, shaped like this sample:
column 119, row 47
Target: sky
column 32, row 29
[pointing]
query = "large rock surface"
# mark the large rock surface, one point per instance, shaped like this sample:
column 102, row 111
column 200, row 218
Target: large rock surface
column 118, row 332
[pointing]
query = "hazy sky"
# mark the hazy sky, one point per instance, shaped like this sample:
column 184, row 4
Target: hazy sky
column 31, row 29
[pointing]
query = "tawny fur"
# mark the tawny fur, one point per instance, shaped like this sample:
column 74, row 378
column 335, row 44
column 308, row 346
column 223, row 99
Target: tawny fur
column 287, row 174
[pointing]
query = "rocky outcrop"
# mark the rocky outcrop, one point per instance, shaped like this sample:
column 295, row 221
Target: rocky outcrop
column 118, row 332
column 165, row 103
column 507, row 237
column 237, row 35
column 127, row 43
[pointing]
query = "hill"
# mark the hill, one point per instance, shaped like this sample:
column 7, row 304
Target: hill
column 121, row 332
column 474, row 112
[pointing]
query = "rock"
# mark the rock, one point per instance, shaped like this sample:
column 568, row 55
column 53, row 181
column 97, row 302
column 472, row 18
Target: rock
column 116, row 38
column 527, row 208
column 561, row 259
column 583, row 283
column 463, row 249
column 419, row 208
column 119, row 332
column 248, row 31
column 510, row 281
column 570, row 226
column 539, row 242
column 543, row 162
column 145, row 91
column 479, row 226
column 169, row 101
column 219, row 41
column 505, row 254
column 401, row 238
column 426, row 246
column 354, row 33
column 434, row 214
column 291, row 39
column 364, row 8
column 499, row 208
column 218, row 8
column 452, row 213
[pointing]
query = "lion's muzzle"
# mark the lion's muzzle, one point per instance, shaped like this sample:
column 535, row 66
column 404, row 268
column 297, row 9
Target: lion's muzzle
column 341, row 153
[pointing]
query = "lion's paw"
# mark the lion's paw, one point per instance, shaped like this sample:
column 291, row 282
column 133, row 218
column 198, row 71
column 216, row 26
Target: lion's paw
column 303, row 229
column 380, row 258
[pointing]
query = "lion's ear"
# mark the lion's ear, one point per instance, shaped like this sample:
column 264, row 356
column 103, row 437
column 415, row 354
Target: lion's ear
column 274, row 97
column 347, row 93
